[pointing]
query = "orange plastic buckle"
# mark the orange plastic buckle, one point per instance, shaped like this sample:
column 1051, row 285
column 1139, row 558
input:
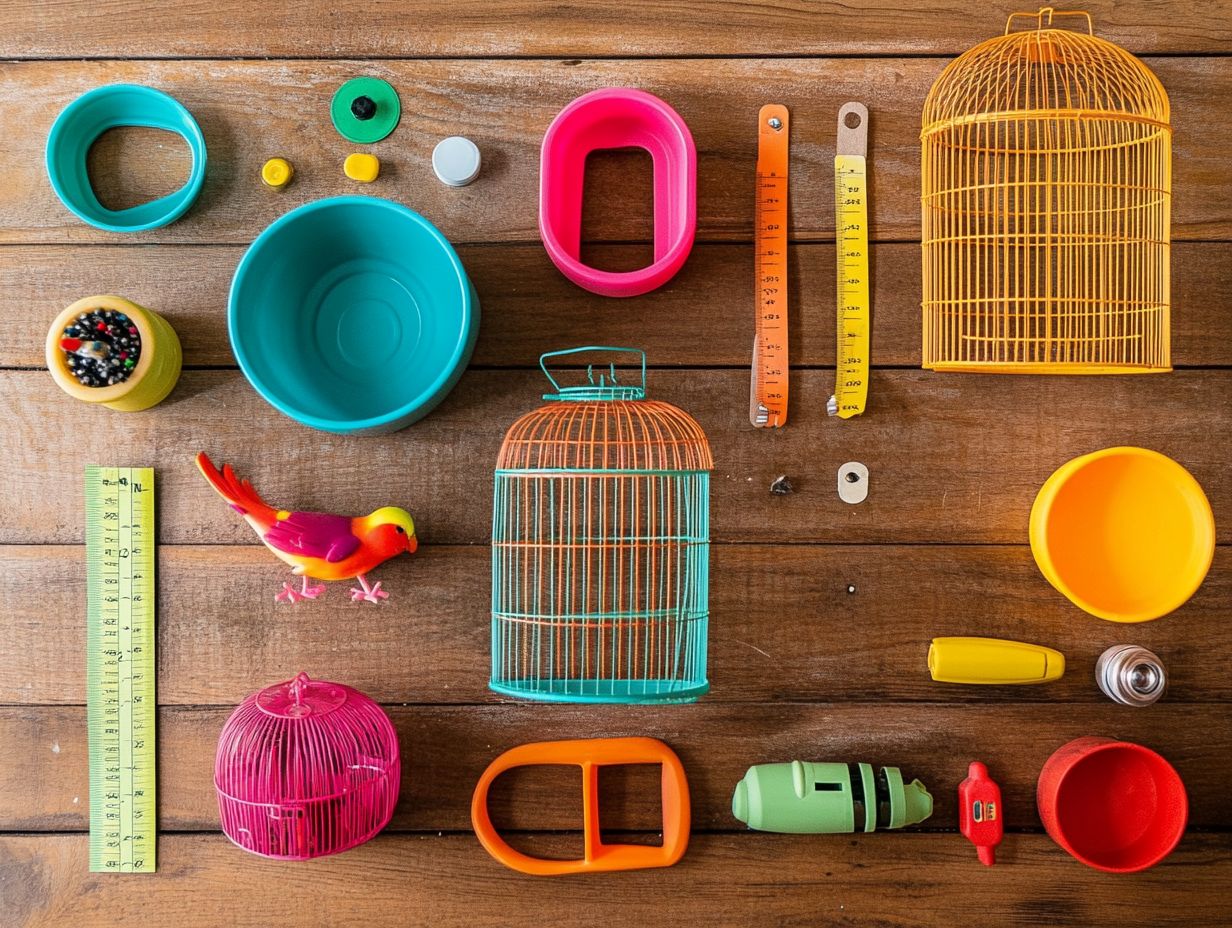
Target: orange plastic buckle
column 591, row 754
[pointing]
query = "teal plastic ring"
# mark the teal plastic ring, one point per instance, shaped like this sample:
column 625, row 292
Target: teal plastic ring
column 81, row 123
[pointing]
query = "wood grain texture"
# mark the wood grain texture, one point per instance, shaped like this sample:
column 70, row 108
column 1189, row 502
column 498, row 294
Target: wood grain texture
column 780, row 628
column 252, row 110
column 925, row 881
column 445, row 749
column 581, row 28
column 820, row 613
column 523, row 297
column 935, row 475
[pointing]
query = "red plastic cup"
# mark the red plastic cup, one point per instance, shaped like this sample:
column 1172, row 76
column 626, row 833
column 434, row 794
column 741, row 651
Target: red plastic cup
column 1113, row 805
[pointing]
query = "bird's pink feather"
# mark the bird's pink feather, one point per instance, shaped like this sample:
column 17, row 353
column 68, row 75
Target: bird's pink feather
column 314, row 534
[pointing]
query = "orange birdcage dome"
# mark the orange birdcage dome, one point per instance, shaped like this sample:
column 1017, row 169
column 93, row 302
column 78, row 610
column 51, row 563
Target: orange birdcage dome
column 1046, row 192
column 601, row 433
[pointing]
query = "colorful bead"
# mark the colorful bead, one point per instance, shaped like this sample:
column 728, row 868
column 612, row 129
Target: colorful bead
column 101, row 348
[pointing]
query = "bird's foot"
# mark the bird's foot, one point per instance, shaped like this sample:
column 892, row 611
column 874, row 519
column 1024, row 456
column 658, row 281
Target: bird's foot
column 372, row 595
column 366, row 593
column 289, row 594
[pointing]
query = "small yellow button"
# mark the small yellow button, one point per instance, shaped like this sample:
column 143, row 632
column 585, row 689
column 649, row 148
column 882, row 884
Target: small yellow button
column 362, row 167
column 277, row 172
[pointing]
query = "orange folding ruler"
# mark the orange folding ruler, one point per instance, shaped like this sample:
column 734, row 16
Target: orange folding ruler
column 768, row 390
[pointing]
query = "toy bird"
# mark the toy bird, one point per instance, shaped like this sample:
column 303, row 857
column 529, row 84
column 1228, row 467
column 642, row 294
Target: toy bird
column 317, row 545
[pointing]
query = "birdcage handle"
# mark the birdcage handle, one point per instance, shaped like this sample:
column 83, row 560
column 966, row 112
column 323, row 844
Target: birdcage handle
column 1046, row 15
column 297, row 687
column 543, row 362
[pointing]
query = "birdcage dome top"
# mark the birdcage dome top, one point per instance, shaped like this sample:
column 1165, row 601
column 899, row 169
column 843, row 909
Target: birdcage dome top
column 1061, row 72
column 303, row 740
column 608, row 434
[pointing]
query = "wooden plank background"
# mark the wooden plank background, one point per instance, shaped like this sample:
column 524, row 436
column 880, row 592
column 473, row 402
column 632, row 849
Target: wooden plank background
column 821, row 613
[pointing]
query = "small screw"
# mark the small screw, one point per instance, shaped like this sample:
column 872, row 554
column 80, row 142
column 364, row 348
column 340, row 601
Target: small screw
column 851, row 477
column 363, row 108
column 775, row 123
column 782, row 486
column 851, row 588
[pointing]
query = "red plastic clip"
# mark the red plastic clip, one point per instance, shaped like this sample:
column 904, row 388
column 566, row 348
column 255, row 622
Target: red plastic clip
column 979, row 811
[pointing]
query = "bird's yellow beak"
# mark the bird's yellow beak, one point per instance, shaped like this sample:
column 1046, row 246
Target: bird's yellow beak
column 412, row 543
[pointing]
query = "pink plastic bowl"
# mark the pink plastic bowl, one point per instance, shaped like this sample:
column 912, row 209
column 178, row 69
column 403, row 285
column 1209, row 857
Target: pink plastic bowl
column 618, row 117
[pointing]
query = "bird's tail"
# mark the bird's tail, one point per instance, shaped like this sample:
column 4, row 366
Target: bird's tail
column 239, row 493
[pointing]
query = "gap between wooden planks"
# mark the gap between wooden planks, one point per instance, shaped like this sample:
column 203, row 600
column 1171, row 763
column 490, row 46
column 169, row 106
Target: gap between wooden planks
column 252, row 110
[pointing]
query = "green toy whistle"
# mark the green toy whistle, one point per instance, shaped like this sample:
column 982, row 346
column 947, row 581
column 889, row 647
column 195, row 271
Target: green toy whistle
column 828, row 798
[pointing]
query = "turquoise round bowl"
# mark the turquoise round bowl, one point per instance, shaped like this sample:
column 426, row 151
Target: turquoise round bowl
column 352, row 315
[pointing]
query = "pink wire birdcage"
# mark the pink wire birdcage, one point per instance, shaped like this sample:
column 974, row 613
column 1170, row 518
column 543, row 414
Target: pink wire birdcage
column 305, row 769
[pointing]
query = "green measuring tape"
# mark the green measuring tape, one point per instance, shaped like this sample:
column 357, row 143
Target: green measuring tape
column 120, row 702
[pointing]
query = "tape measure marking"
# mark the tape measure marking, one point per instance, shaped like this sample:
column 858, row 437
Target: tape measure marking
column 851, row 248
column 768, row 390
column 120, row 668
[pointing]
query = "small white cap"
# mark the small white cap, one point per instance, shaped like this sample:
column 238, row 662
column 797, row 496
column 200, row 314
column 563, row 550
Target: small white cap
column 456, row 161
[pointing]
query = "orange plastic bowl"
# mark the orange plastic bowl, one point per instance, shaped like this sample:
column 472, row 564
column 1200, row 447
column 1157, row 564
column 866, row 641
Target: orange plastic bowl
column 1125, row 533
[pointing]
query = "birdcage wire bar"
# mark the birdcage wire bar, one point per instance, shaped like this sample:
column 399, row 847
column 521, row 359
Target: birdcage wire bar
column 600, row 551
column 1046, row 164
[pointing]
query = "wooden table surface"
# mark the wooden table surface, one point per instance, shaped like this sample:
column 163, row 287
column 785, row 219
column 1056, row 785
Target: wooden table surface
column 821, row 612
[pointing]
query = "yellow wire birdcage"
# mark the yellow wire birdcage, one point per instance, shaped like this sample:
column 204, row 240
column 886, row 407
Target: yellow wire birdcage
column 1046, row 193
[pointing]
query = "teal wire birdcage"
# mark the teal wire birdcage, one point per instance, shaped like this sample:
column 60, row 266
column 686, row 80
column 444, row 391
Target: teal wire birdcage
column 600, row 547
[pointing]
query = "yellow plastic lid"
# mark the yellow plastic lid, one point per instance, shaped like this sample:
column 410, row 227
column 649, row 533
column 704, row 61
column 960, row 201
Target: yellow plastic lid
column 277, row 172
column 362, row 167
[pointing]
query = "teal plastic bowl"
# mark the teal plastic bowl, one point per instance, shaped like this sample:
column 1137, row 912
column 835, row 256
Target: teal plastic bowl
column 352, row 315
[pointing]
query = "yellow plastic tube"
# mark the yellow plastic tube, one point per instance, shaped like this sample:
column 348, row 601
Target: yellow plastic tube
column 993, row 660
column 152, row 379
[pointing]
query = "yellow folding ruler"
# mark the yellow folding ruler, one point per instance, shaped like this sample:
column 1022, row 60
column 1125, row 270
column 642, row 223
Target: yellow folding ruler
column 120, row 700
column 768, row 392
column 851, row 247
